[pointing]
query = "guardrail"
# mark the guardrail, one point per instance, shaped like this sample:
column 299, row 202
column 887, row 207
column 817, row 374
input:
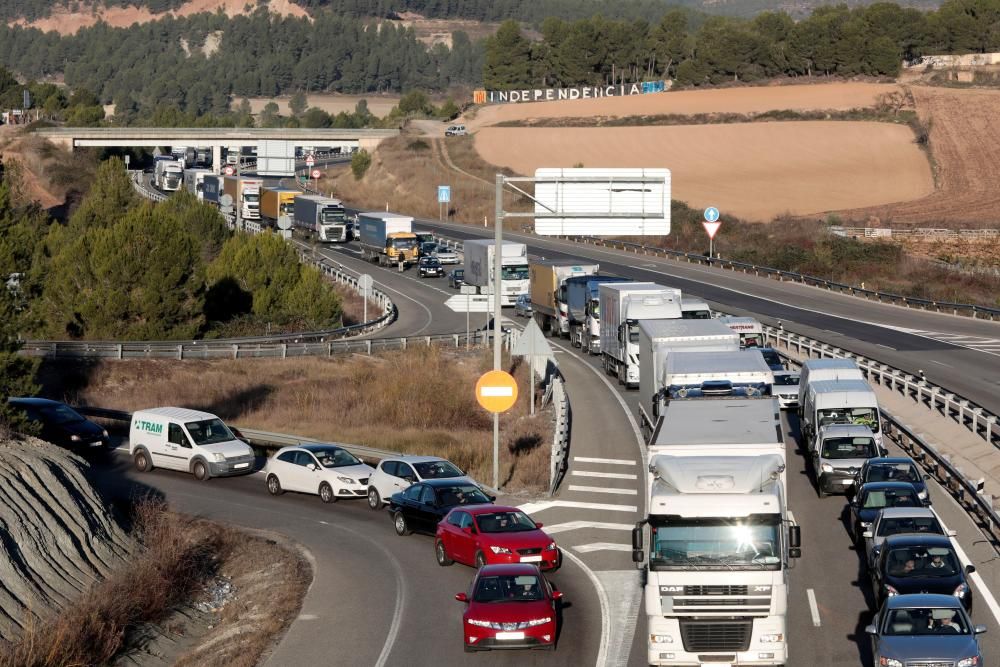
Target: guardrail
column 889, row 232
column 559, row 459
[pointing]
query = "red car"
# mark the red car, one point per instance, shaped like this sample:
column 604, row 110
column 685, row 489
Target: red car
column 509, row 606
column 487, row 534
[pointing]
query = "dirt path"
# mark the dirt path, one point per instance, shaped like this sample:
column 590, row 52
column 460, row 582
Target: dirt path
column 965, row 144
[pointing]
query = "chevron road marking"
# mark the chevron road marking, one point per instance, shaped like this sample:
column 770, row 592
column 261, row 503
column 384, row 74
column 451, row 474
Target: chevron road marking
column 614, row 462
column 605, row 475
column 534, row 508
column 601, row 546
column 555, row 528
column 601, row 489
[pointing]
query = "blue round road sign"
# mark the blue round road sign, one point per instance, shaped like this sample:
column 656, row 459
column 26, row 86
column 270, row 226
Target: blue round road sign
column 711, row 214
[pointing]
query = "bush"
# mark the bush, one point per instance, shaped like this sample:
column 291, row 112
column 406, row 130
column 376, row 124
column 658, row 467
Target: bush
column 360, row 163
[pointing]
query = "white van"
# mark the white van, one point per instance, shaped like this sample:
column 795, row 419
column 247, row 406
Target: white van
column 455, row 131
column 840, row 402
column 816, row 370
column 187, row 440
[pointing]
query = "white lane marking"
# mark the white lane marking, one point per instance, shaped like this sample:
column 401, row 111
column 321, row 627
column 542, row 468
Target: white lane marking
column 941, row 338
column 813, row 607
column 613, row 462
column 579, row 525
column 886, row 346
column 601, row 546
column 601, row 489
column 939, row 363
column 534, row 508
column 606, row 475
column 602, row 597
column 977, row 579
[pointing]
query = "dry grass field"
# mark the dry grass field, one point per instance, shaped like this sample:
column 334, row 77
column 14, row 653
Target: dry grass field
column 755, row 171
column 419, row 401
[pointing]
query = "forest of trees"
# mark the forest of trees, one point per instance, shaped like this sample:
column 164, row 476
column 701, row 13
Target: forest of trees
column 841, row 41
column 125, row 268
column 143, row 68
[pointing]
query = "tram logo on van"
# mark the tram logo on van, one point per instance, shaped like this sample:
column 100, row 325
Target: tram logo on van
column 150, row 427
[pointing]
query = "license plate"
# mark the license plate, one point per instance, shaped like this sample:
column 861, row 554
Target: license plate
column 510, row 635
column 96, row 444
column 242, row 465
column 847, row 482
column 716, row 664
column 531, row 559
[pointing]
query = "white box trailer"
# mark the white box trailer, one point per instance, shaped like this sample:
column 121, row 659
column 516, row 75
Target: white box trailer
column 623, row 306
column 750, row 330
column 704, row 374
column 656, row 340
column 815, row 370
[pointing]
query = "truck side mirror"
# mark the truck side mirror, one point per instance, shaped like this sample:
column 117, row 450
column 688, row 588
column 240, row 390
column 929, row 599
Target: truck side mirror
column 637, row 537
column 636, row 555
column 794, row 536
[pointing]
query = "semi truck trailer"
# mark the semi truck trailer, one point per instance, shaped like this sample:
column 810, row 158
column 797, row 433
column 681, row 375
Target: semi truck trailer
column 323, row 217
column 548, row 293
column 388, row 238
column 194, row 181
column 622, row 306
column 245, row 192
column 168, row 175
column 479, row 264
column 584, row 310
column 276, row 202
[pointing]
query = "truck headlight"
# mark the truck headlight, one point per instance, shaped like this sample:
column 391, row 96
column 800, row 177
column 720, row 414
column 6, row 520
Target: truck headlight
column 661, row 639
column 772, row 638
column 219, row 458
column 826, row 467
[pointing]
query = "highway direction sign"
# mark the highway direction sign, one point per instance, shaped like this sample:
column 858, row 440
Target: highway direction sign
column 470, row 303
column 444, row 194
column 711, row 214
column 496, row 391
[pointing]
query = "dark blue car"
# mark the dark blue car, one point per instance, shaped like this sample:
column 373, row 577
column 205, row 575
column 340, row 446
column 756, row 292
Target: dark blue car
column 924, row 630
column 62, row 425
column 894, row 469
column 874, row 496
column 912, row 563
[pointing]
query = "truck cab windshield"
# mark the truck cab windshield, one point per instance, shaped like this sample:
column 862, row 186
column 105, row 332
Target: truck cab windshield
column 863, row 416
column 251, row 198
column 715, row 543
column 287, row 208
column 515, row 272
column 334, row 215
column 403, row 244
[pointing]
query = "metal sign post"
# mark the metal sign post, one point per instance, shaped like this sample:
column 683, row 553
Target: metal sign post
column 365, row 283
column 496, row 391
column 711, row 225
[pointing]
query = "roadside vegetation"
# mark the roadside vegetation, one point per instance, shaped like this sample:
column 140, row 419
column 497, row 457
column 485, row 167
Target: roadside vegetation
column 420, row 401
column 178, row 556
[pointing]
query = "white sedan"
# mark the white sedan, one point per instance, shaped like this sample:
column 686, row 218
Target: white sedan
column 446, row 255
column 329, row 471
column 397, row 473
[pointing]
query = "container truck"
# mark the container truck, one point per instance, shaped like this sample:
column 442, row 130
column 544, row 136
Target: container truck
column 584, row 310
column 657, row 341
column 750, row 330
column 719, row 535
column 548, row 292
column 211, row 189
column 388, row 238
column 276, row 202
column 322, row 217
column 479, row 260
column 622, row 305
column 246, row 195
column 168, row 175
column 704, row 374
column 839, row 402
column 194, row 181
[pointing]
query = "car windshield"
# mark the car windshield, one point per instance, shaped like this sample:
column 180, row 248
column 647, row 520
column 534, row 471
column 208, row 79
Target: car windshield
column 464, row 494
column 862, row 416
column 209, row 431
column 925, row 621
column 60, row 414
column 771, row 357
column 909, row 524
column 696, row 314
column 505, row 522
column 437, row 470
column 922, row 562
column 789, row 380
column 879, row 498
column 849, row 448
column 430, row 261
column 459, row 273
column 893, row 472
column 514, row 272
column 509, row 588
column 715, row 543
column 335, row 457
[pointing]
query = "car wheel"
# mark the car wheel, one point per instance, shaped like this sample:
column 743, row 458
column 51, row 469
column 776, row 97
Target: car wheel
column 200, row 471
column 142, row 463
column 442, row 555
column 480, row 560
column 399, row 523
column 326, row 493
column 374, row 499
column 274, row 486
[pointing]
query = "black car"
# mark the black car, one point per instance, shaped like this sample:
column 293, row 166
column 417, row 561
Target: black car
column 909, row 563
column 62, row 425
column 772, row 358
column 421, row 506
column 875, row 496
column 430, row 266
column 894, row 469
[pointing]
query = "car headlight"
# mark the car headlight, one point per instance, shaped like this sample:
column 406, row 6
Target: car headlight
column 890, row 591
column 961, row 591
column 219, row 458
column 772, row 638
column 969, row 662
column 346, row 480
column 922, row 494
column 500, row 550
column 104, row 433
column 551, row 547
column 538, row 621
column 889, row 662
column 826, row 467
column 866, row 524
column 75, row 438
column 476, row 622
column 661, row 639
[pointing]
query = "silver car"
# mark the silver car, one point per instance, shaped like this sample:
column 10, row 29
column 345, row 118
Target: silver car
column 925, row 629
column 838, row 452
column 522, row 307
column 896, row 520
column 786, row 389
column 446, row 255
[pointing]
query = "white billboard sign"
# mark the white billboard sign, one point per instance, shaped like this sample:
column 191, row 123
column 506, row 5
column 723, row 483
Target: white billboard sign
column 602, row 202
column 276, row 158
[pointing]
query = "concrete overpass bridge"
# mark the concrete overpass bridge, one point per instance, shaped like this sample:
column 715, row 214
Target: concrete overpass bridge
column 275, row 146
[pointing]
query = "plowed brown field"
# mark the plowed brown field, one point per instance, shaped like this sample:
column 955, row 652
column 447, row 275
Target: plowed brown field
column 752, row 170
column 965, row 143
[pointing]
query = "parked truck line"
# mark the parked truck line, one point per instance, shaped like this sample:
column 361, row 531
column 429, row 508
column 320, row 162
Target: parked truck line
column 622, row 306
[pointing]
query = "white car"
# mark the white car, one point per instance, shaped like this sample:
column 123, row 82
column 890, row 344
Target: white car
column 786, row 389
column 329, row 471
column 446, row 255
column 397, row 473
